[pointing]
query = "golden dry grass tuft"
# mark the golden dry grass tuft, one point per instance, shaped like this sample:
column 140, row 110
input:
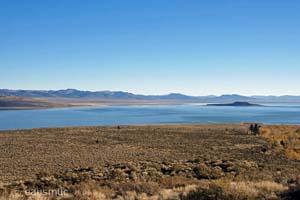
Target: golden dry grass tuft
column 284, row 136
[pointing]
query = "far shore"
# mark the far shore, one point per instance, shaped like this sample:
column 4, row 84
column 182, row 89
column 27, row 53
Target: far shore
column 29, row 103
column 64, row 104
column 34, row 103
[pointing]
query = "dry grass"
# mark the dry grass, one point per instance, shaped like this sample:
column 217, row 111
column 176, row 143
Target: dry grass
column 284, row 136
column 255, row 189
column 241, row 190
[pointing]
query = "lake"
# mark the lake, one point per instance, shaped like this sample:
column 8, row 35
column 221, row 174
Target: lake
column 154, row 114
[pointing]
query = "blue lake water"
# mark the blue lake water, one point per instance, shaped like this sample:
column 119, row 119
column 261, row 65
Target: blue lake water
column 166, row 114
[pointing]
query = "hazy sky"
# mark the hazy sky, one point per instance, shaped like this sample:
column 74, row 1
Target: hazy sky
column 195, row 47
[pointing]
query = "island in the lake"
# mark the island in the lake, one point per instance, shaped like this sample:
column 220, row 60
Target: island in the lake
column 237, row 103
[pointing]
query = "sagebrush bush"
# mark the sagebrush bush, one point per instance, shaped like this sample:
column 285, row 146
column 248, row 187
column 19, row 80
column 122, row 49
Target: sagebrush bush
column 212, row 193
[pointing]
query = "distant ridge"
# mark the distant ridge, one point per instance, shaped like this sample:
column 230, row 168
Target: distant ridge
column 73, row 93
column 120, row 95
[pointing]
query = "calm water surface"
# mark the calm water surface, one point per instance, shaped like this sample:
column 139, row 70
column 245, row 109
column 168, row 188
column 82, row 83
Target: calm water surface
column 123, row 115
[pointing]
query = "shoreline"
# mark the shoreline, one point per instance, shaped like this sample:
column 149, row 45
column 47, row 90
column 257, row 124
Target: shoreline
column 103, row 104
column 34, row 103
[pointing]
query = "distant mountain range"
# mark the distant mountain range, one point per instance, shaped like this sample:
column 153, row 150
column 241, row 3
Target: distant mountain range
column 120, row 95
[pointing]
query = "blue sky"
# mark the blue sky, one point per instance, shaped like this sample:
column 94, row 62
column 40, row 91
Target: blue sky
column 195, row 47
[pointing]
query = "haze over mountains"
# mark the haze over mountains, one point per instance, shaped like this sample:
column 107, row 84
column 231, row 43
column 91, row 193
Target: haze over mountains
column 120, row 95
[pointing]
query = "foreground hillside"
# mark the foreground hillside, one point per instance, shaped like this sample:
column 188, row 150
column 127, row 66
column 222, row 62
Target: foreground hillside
column 148, row 162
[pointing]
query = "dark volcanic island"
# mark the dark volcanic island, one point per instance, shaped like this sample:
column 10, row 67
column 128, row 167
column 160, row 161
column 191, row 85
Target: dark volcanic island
column 237, row 104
